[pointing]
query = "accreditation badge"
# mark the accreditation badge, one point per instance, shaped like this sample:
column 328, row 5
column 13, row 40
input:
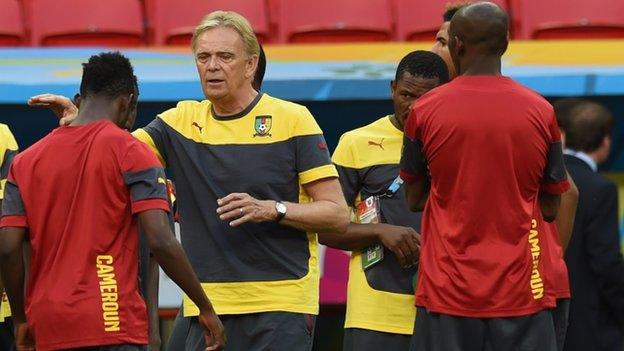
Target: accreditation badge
column 368, row 212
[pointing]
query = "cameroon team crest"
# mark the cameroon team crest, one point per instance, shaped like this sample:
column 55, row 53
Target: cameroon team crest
column 263, row 126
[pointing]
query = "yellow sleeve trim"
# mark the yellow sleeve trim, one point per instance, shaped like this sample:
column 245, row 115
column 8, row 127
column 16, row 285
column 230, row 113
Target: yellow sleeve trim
column 5, row 308
column 326, row 171
column 2, row 184
column 147, row 139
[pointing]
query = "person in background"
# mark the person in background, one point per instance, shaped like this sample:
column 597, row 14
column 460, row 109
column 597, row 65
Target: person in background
column 594, row 258
column 442, row 37
column 260, row 70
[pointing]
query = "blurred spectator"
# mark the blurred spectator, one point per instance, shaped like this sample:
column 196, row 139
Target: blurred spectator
column 594, row 259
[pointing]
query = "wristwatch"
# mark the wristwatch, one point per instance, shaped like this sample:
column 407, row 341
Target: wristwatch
column 280, row 207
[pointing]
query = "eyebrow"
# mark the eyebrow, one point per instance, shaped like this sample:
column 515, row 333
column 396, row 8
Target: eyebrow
column 221, row 51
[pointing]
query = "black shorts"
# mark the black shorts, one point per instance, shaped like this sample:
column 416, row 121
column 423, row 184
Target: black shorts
column 259, row 331
column 441, row 332
column 7, row 342
column 356, row 339
column 120, row 347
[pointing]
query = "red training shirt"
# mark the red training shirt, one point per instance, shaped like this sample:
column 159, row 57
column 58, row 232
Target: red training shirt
column 489, row 145
column 76, row 191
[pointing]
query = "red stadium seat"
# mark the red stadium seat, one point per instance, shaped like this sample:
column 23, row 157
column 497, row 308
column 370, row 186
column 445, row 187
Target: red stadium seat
column 419, row 20
column 85, row 22
column 572, row 19
column 335, row 21
column 171, row 22
column 11, row 23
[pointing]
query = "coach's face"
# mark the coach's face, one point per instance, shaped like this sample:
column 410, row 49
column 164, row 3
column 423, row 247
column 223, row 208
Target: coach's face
column 406, row 90
column 224, row 67
column 441, row 48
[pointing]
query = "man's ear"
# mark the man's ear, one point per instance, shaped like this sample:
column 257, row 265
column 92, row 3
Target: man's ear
column 461, row 48
column 252, row 66
column 124, row 104
column 77, row 100
column 392, row 88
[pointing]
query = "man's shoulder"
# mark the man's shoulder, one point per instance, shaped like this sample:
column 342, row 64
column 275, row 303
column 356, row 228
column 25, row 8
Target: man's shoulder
column 535, row 98
column 374, row 143
column 375, row 129
column 285, row 107
column 185, row 109
column 588, row 181
column 7, row 140
column 27, row 155
column 4, row 130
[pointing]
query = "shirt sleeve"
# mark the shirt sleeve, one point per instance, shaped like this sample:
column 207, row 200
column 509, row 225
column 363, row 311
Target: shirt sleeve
column 145, row 178
column 313, row 160
column 8, row 150
column 555, row 179
column 154, row 136
column 13, row 212
column 413, row 159
column 348, row 174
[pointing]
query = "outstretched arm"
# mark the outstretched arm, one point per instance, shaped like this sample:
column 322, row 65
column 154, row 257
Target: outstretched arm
column 169, row 254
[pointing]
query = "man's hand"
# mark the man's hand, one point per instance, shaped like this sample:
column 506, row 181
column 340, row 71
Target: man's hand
column 61, row 106
column 404, row 242
column 213, row 330
column 24, row 340
column 243, row 208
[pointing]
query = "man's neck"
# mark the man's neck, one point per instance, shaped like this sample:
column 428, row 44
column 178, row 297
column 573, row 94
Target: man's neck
column 234, row 105
column 482, row 65
column 395, row 122
column 92, row 111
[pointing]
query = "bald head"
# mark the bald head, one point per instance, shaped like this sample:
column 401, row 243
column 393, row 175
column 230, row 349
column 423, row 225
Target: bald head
column 482, row 26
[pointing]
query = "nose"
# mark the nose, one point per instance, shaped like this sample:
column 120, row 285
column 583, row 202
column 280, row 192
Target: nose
column 213, row 64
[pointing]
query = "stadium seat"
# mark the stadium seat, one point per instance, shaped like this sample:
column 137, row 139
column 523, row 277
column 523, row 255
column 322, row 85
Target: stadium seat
column 419, row 20
column 303, row 21
column 572, row 19
column 11, row 23
column 85, row 22
column 171, row 22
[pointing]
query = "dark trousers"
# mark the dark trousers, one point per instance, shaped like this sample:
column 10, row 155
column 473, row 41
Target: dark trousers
column 250, row 332
column 440, row 332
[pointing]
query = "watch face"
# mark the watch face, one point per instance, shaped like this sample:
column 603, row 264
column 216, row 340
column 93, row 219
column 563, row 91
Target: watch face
column 281, row 208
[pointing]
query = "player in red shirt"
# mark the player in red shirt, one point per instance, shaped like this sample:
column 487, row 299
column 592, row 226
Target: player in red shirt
column 482, row 147
column 78, row 194
column 557, row 235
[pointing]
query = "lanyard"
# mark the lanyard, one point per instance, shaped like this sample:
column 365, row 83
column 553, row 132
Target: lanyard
column 394, row 187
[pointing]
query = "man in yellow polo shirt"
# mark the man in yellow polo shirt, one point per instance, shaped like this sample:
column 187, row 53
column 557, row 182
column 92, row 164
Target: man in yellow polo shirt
column 380, row 300
column 255, row 182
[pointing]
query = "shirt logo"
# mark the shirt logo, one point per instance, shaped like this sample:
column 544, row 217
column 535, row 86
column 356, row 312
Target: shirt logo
column 198, row 126
column 161, row 180
column 380, row 144
column 263, row 126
